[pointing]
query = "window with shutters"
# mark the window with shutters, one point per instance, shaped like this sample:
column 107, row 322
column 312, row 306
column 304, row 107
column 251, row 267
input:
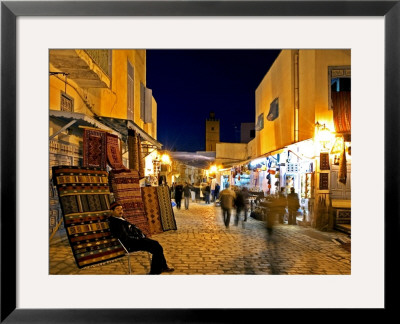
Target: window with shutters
column 66, row 102
column 130, row 87
column 142, row 99
column 260, row 122
column 273, row 110
column 146, row 96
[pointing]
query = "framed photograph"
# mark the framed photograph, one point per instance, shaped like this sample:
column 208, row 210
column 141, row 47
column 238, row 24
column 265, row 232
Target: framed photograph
column 371, row 29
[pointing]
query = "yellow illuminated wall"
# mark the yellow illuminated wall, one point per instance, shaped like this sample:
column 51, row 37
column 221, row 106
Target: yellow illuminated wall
column 313, row 96
column 277, row 83
column 230, row 152
column 106, row 101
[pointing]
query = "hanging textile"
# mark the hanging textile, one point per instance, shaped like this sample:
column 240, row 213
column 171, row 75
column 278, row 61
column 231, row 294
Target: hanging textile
column 127, row 192
column 166, row 211
column 152, row 209
column 133, row 150
column 85, row 202
column 114, row 154
column 342, row 174
column 342, row 111
column 94, row 148
column 140, row 157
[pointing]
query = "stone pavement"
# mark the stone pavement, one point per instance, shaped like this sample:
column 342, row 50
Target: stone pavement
column 202, row 245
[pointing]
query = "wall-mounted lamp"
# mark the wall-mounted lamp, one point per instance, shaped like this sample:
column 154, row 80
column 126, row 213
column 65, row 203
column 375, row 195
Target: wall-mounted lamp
column 323, row 135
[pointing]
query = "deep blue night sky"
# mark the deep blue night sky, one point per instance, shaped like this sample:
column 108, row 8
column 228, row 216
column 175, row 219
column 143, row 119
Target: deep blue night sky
column 189, row 84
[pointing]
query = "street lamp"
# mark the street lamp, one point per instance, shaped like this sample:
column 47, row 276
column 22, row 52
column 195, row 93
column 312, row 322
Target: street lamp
column 165, row 159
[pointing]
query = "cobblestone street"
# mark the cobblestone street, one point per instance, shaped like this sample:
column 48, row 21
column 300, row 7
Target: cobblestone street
column 202, row 245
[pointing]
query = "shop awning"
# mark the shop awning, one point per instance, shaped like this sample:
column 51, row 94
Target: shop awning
column 194, row 159
column 77, row 119
column 279, row 151
column 122, row 126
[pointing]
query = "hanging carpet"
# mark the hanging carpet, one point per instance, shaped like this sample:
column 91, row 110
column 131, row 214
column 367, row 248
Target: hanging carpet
column 85, row 202
column 133, row 150
column 140, row 157
column 342, row 174
column 114, row 155
column 166, row 211
column 127, row 192
column 94, row 148
column 152, row 209
column 136, row 161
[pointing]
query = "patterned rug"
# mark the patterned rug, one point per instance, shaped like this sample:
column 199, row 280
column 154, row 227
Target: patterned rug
column 152, row 209
column 166, row 211
column 136, row 161
column 133, row 150
column 140, row 157
column 85, row 202
column 127, row 192
column 114, row 156
column 94, row 148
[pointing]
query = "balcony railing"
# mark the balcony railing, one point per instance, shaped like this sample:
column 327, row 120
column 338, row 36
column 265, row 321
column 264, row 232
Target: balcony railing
column 102, row 59
column 88, row 68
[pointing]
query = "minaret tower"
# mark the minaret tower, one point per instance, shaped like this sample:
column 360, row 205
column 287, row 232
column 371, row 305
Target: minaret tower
column 212, row 132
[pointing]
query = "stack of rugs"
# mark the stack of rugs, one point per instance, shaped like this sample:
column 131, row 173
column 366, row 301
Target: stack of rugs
column 149, row 208
column 85, row 202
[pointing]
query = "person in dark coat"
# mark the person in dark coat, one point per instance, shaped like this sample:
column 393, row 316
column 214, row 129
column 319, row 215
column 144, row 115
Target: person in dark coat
column 293, row 205
column 239, row 204
column 207, row 192
column 135, row 240
column 227, row 197
column 282, row 202
column 216, row 191
column 178, row 195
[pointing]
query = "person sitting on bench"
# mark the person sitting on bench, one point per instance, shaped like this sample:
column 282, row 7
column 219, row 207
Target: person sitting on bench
column 135, row 240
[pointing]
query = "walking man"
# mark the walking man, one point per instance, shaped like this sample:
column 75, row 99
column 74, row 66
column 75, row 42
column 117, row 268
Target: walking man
column 186, row 194
column 227, row 199
column 293, row 206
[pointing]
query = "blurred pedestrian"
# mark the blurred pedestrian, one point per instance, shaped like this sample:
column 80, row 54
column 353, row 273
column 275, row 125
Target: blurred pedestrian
column 239, row 204
column 293, row 206
column 187, row 194
column 173, row 190
column 216, row 191
column 227, row 199
column 178, row 195
column 213, row 182
column 207, row 192
column 246, row 197
column 193, row 190
column 281, row 205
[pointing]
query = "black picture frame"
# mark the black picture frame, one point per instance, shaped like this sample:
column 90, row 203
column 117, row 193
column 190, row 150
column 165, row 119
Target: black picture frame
column 10, row 10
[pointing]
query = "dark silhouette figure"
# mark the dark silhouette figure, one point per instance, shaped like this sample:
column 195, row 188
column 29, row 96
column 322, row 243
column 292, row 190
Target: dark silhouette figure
column 293, row 206
column 178, row 195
